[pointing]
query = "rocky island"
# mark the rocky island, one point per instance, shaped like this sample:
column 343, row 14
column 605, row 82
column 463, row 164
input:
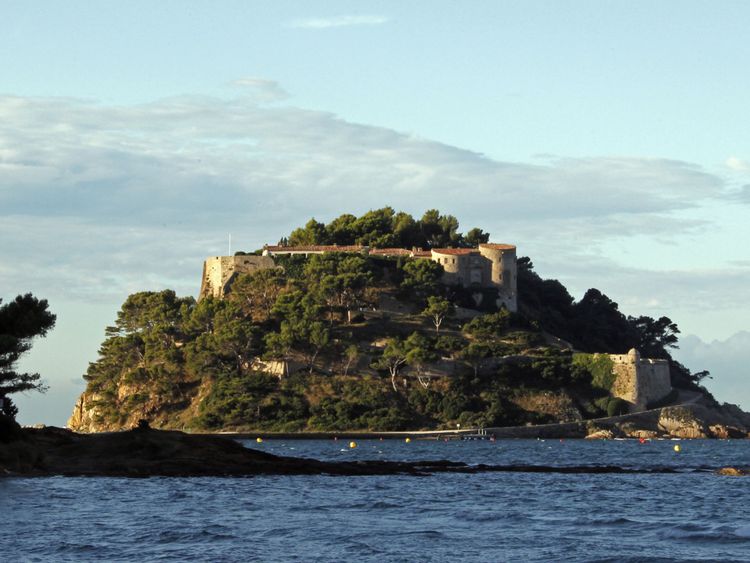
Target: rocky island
column 385, row 322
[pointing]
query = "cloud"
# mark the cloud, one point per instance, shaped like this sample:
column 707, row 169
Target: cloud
column 743, row 194
column 737, row 164
column 261, row 89
column 98, row 200
column 337, row 21
column 727, row 360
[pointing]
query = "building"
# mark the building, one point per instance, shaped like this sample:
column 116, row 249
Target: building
column 219, row 272
column 640, row 381
column 487, row 266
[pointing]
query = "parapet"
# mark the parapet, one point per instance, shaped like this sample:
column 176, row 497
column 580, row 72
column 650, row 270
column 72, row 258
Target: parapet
column 640, row 381
column 220, row 271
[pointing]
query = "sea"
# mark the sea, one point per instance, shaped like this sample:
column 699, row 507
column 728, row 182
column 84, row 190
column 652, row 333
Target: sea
column 691, row 515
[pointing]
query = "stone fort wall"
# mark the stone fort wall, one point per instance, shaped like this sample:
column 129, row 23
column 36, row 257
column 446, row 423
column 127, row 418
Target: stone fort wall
column 219, row 271
column 640, row 381
column 488, row 266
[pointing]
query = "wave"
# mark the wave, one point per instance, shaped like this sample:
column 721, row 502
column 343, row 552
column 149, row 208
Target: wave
column 709, row 533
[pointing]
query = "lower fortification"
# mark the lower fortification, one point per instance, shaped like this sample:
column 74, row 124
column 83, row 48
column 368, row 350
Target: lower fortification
column 220, row 271
column 640, row 381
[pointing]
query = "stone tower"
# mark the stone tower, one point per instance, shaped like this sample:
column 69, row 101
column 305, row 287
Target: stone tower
column 220, row 271
column 640, row 381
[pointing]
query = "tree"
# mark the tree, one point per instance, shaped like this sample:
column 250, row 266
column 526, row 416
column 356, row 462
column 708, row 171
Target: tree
column 407, row 231
column 256, row 293
column 599, row 326
column 341, row 280
column 475, row 354
column 279, row 346
column 418, row 354
column 313, row 233
column 393, row 359
column 20, row 321
column 234, row 337
column 352, row 355
column 488, row 327
column 300, row 328
column 375, row 228
column 655, row 336
column 342, row 229
column 475, row 237
column 437, row 310
column 422, row 276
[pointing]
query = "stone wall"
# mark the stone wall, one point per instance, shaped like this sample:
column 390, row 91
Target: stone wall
column 489, row 266
column 219, row 271
column 640, row 381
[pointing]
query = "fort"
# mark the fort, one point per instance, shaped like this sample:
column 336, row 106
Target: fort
column 640, row 381
column 220, row 271
column 487, row 266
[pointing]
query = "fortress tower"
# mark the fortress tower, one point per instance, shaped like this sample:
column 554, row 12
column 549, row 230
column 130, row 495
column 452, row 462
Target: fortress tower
column 640, row 381
column 488, row 266
column 220, row 271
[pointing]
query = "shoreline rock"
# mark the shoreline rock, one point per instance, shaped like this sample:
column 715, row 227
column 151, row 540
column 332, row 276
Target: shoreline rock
column 147, row 453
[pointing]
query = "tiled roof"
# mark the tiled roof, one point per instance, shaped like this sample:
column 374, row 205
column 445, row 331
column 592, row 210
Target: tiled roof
column 498, row 246
column 455, row 251
column 390, row 251
column 331, row 248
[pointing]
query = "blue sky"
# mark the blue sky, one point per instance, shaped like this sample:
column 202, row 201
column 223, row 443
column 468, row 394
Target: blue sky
column 606, row 139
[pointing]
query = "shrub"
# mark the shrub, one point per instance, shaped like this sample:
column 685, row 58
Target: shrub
column 617, row 407
column 600, row 367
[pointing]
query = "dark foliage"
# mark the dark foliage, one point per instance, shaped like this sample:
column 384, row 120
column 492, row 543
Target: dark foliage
column 20, row 321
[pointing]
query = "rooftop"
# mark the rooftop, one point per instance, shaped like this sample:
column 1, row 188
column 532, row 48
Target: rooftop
column 313, row 248
column 498, row 246
column 455, row 251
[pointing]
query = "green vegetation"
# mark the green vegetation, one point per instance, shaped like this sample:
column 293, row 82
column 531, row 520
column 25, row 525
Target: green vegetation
column 384, row 228
column 20, row 321
column 595, row 323
column 350, row 341
column 600, row 366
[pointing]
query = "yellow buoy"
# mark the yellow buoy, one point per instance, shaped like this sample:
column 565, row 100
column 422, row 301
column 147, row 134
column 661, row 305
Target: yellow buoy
column 677, row 448
column 259, row 440
column 352, row 444
column 407, row 440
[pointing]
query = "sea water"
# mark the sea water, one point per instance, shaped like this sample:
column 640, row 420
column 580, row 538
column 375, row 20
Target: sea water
column 693, row 515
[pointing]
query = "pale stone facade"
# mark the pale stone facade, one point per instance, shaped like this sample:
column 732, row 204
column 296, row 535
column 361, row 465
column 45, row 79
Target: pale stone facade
column 220, row 271
column 640, row 381
column 488, row 266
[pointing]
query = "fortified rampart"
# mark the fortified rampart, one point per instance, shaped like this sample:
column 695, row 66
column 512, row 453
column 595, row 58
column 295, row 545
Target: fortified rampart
column 487, row 266
column 220, row 271
column 640, row 381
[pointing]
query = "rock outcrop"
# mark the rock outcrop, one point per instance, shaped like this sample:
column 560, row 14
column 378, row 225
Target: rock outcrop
column 682, row 422
column 145, row 452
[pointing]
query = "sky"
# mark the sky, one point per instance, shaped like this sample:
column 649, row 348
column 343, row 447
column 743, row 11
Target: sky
column 606, row 139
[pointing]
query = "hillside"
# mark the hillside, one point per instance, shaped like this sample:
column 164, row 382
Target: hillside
column 367, row 341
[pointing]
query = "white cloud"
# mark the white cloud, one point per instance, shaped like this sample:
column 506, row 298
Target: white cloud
column 261, row 89
column 100, row 200
column 728, row 362
column 737, row 164
column 337, row 21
